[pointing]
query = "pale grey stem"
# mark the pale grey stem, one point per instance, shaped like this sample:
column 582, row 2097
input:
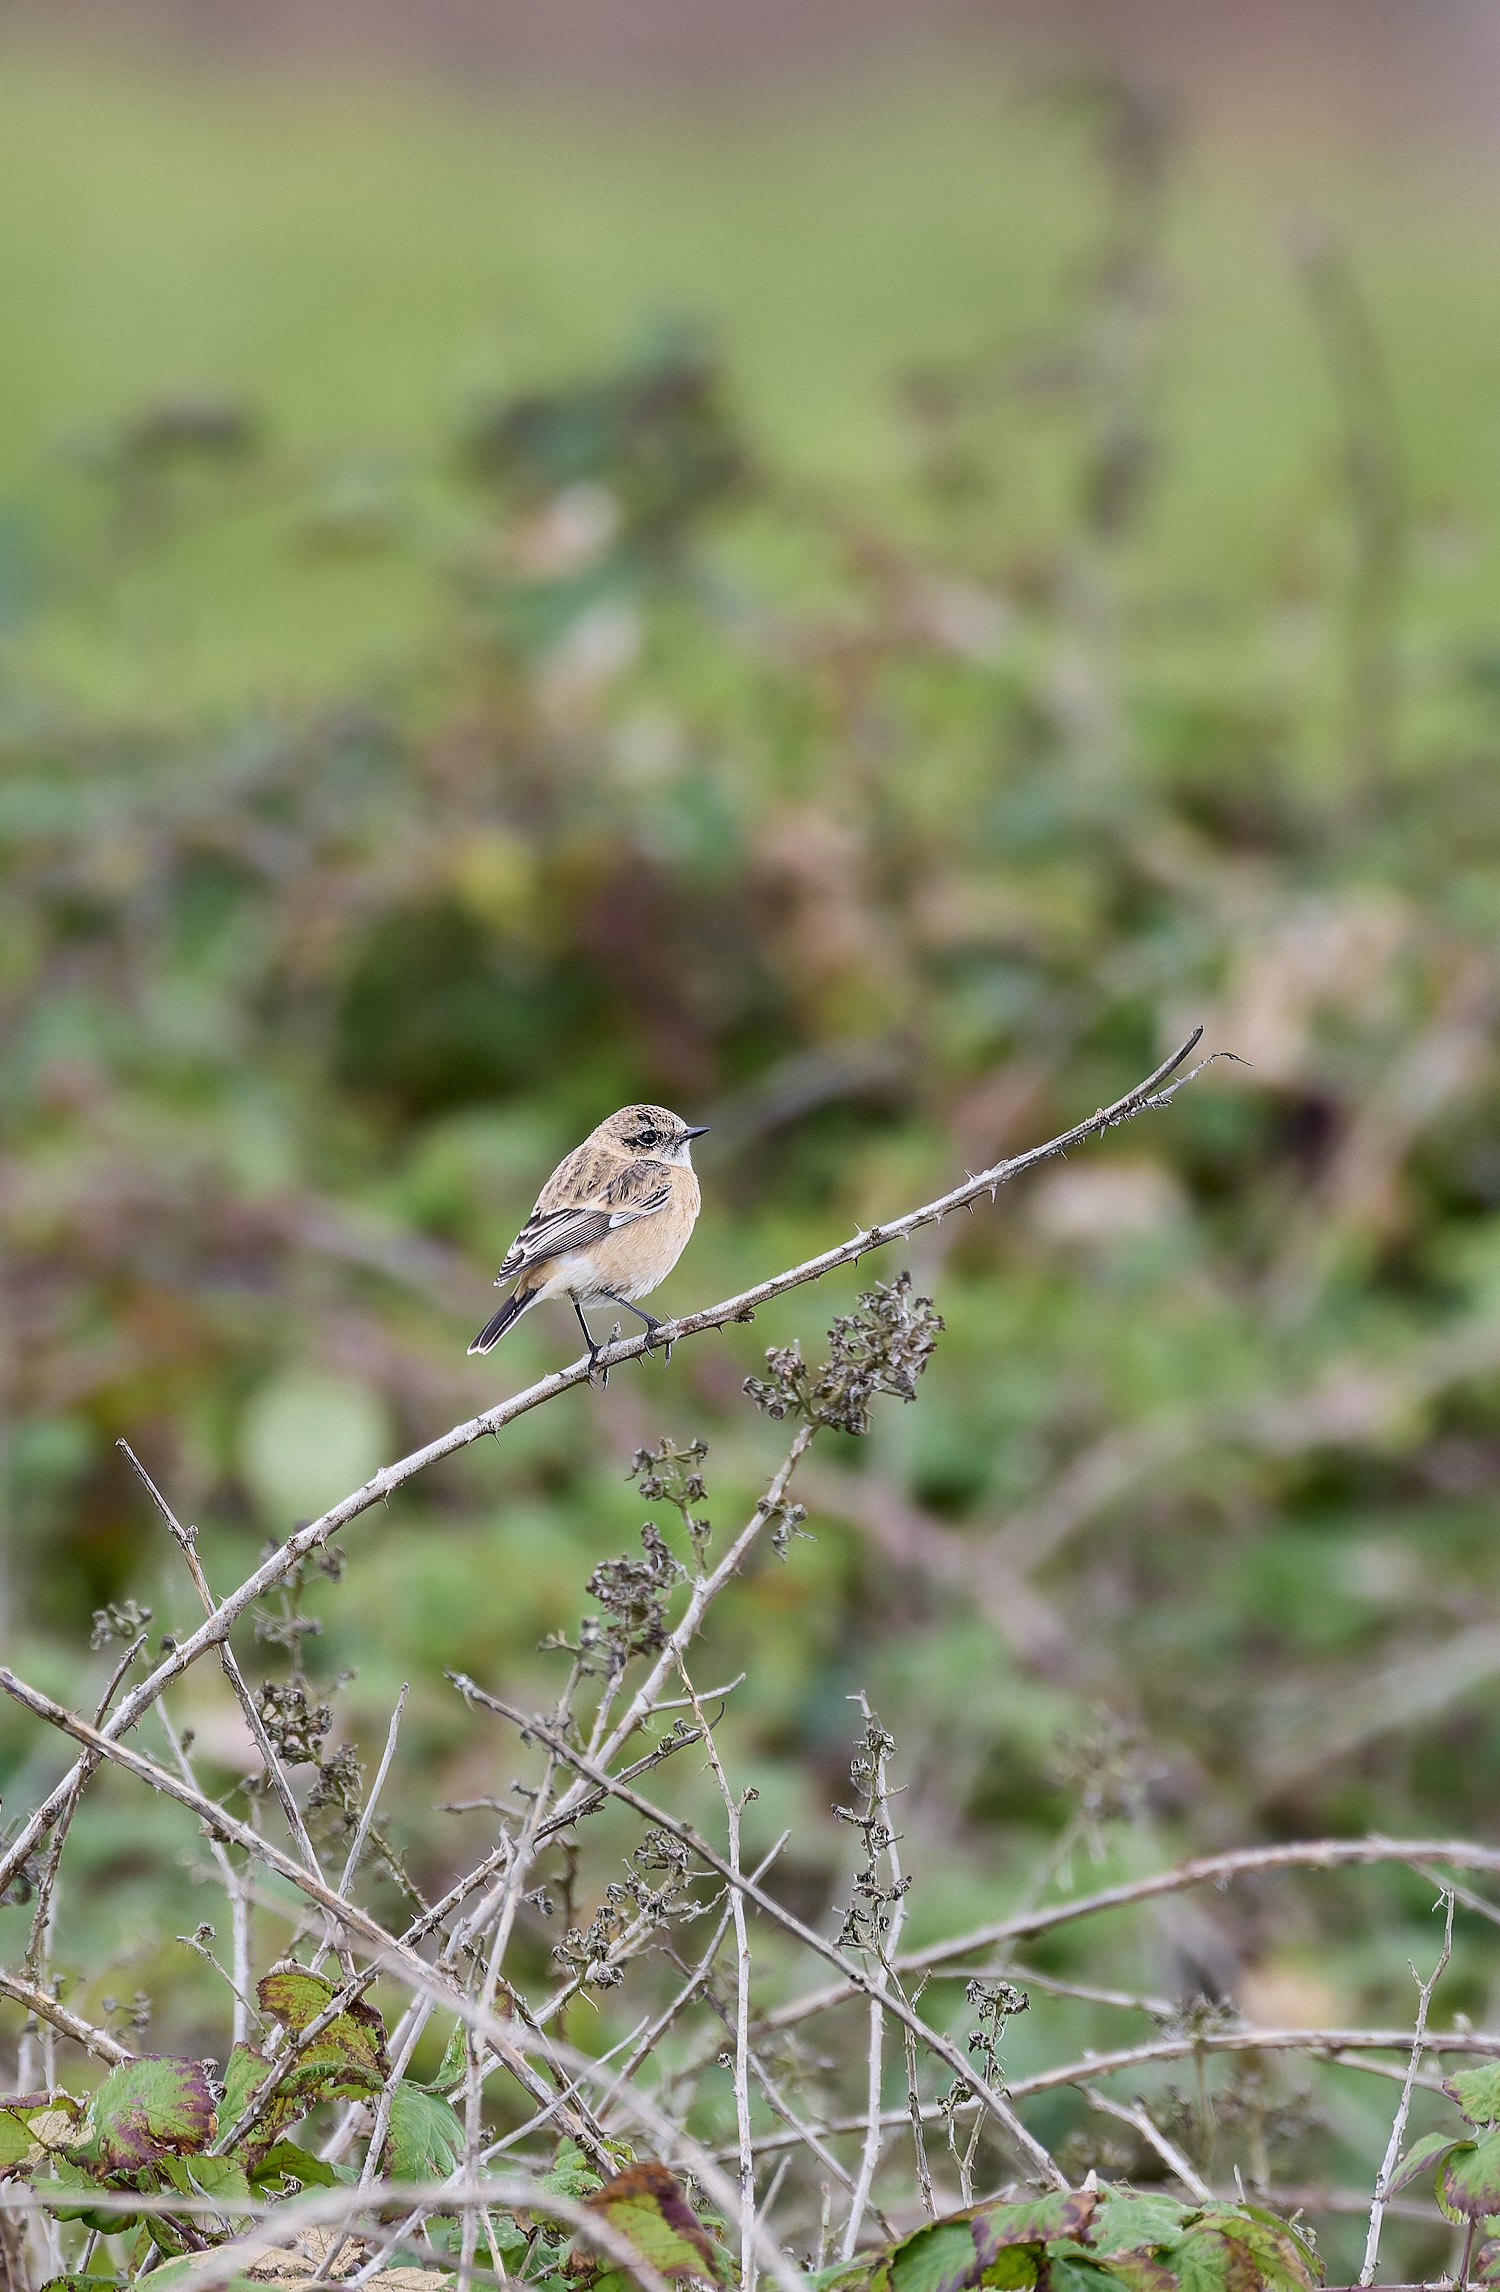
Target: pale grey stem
column 774, row 2191
column 1403, row 2107
column 671, row 2140
column 1150, row 2132
column 1079, row 2072
column 242, row 2007
column 653, row 2036
column 473, row 2096
column 914, row 2112
column 879, row 1801
column 733, row 1808
column 367, row 1816
column 502, row 2277
column 229, row 1878
column 1202, row 1870
column 186, row 1540
column 809, row 2138
column 705, row 1591
column 1332, row 2044
column 39, row 1941
column 47, row 2008
column 1010, row 1970
column 241, row 1947
column 473, row 2070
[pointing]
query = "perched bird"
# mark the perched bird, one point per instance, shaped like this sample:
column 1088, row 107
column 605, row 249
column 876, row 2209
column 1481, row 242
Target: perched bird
column 609, row 1225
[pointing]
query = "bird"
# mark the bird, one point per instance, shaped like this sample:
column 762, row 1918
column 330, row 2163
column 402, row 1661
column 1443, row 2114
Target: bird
column 608, row 1226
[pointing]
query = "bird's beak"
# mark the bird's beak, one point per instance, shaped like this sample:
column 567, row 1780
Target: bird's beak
column 700, row 1132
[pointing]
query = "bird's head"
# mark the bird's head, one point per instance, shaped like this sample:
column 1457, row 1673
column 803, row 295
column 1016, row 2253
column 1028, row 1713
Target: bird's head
column 650, row 1130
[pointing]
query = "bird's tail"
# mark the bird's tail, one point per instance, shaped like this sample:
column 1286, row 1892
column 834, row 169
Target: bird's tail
column 495, row 1328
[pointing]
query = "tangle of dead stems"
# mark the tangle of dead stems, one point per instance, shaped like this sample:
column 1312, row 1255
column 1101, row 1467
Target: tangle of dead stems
column 806, row 2087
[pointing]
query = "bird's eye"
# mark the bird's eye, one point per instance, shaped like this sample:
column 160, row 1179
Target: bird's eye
column 647, row 1139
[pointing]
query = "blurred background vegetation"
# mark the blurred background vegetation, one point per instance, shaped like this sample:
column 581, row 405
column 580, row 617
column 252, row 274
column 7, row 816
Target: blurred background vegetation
column 862, row 614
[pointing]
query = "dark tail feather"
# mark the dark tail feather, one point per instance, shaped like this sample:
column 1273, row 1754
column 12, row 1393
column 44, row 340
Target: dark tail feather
column 495, row 1328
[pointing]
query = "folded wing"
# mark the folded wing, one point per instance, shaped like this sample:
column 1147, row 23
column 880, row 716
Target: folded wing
column 575, row 1226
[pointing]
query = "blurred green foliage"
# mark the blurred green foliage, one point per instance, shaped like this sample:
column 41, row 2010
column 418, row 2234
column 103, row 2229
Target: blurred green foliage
column 884, row 806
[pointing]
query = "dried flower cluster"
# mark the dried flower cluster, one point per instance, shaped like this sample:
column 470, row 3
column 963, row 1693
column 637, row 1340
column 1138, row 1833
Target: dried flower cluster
column 882, row 1347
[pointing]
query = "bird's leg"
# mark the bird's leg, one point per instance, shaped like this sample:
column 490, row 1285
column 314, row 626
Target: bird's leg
column 652, row 1324
column 588, row 1338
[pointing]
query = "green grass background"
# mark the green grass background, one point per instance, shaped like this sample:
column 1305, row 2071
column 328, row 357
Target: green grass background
column 359, row 257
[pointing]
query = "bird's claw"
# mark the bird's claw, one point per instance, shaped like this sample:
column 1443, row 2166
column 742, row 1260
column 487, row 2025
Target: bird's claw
column 598, row 1376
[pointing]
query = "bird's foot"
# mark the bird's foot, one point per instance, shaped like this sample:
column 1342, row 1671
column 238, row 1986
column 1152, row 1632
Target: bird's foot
column 653, row 1326
column 598, row 1376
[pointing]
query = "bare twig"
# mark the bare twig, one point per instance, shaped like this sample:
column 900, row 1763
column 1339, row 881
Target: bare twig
column 46, row 2007
column 733, row 1808
column 186, row 1542
column 1150, row 2132
column 1328, row 2042
column 367, row 1816
column 651, row 2037
column 1398, row 2125
column 1202, row 1870
column 880, row 1840
column 232, row 1881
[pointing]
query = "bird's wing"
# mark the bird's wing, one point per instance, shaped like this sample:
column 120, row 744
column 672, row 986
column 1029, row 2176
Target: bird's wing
column 636, row 1190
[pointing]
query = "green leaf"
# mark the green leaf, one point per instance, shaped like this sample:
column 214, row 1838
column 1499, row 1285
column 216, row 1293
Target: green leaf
column 294, row 1997
column 995, row 2245
column 1419, row 2156
column 1469, row 2184
column 180, row 2271
column 1300, row 2253
column 1125, row 2222
column 1477, row 2092
column 34, row 2125
column 1069, row 2274
column 144, row 2110
column 451, row 2067
column 285, row 2161
column 1069, row 2212
column 1202, row 2261
column 426, row 2138
column 81, row 2284
column 571, row 2174
column 16, row 2143
column 1141, row 2271
column 511, row 2239
column 66, row 2176
column 348, row 2057
column 1281, row 2260
column 210, row 2177
column 244, row 2073
column 344, row 2060
column 935, row 2259
column 647, row 2204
